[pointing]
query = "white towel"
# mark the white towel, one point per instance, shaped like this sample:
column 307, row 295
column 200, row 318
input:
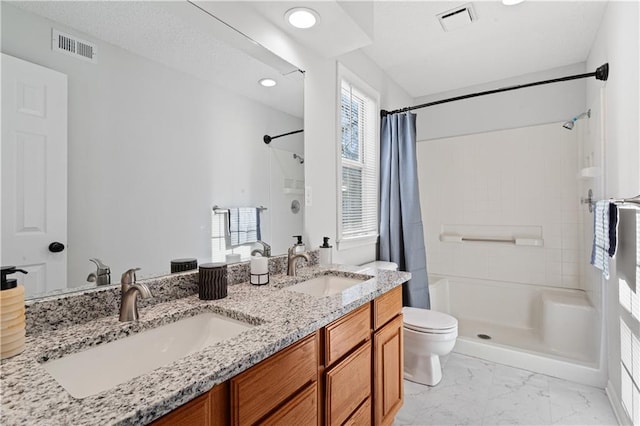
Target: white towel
column 628, row 259
column 600, row 249
column 244, row 225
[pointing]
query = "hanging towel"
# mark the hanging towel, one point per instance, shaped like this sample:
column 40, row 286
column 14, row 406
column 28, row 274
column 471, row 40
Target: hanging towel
column 613, row 229
column 600, row 248
column 244, row 225
column 628, row 259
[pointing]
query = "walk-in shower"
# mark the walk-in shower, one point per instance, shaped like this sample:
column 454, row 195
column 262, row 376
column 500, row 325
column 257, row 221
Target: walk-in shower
column 508, row 244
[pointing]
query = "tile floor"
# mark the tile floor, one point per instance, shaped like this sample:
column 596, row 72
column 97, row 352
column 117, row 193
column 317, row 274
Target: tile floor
column 478, row 392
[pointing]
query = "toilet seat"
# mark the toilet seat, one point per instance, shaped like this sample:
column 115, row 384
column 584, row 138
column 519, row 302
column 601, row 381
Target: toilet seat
column 428, row 321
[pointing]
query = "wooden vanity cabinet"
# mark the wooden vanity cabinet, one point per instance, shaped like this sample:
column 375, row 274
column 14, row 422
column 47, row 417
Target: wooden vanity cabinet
column 210, row 409
column 349, row 372
column 347, row 365
column 283, row 386
column 388, row 367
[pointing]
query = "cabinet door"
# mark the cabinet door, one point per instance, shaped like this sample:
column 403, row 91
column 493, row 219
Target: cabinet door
column 348, row 383
column 301, row 410
column 210, row 409
column 263, row 387
column 194, row 413
column 388, row 373
column 362, row 416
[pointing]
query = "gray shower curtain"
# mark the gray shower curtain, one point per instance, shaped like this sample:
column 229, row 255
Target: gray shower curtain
column 401, row 235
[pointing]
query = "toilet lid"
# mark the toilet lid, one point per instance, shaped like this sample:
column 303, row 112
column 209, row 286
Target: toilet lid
column 427, row 320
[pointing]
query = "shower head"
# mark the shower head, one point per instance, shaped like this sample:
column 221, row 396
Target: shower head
column 569, row 124
column 300, row 158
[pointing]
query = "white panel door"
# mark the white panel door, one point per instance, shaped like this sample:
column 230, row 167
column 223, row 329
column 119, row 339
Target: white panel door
column 34, row 173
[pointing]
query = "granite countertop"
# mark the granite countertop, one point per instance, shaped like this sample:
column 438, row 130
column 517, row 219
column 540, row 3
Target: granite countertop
column 31, row 396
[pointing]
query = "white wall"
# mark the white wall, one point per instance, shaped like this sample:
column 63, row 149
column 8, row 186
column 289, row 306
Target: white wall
column 508, row 110
column 151, row 150
column 508, row 183
column 618, row 43
column 319, row 118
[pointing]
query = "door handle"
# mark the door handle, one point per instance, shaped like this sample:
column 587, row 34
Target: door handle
column 56, row 247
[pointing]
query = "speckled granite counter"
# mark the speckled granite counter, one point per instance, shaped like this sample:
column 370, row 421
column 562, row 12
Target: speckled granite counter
column 31, row 396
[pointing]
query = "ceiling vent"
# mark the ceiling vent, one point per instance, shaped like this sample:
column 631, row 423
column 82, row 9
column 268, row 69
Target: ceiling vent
column 456, row 18
column 73, row 46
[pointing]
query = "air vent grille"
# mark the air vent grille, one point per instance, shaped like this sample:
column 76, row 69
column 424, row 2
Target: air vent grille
column 457, row 18
column 74, row 46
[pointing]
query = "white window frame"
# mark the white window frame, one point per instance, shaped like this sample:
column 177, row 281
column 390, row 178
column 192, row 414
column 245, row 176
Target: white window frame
column 347, row 242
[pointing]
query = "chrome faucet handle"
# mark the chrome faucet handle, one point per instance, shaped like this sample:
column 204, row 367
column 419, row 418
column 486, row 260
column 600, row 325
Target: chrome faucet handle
column 102, row 268
column 266, row 251
column 102, row 276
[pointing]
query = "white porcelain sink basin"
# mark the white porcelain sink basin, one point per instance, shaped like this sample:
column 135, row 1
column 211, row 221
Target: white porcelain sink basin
column 103, row 367
column 325, row 285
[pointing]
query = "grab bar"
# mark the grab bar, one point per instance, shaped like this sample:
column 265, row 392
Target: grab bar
column 490, row 240
column 519, row 241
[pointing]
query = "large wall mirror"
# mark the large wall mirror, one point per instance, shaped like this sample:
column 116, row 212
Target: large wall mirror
column 120, row 150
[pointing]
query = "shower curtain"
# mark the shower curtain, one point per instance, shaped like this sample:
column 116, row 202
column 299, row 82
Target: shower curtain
column 401, row 235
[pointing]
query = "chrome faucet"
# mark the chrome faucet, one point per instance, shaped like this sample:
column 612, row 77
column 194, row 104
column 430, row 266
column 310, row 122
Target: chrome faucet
column 265, row 251
column 129, row 295
column 102, row 276
column 292, row 258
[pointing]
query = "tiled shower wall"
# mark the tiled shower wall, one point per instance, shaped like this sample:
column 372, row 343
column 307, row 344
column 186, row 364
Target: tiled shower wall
column 509, row 179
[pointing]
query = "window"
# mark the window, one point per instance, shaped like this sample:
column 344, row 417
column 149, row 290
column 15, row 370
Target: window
column 358, row 165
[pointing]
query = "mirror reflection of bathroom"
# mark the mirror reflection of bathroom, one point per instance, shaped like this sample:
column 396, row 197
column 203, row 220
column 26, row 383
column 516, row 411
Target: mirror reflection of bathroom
column 286, row 160
column 158, row 133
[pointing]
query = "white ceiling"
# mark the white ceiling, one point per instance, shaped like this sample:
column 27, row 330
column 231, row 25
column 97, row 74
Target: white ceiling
column 506, row 41
column 403, row 37
column 406, row 40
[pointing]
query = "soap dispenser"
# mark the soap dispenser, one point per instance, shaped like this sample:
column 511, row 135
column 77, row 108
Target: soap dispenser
column 325, row 252
column 298, row 247
column 12, row 330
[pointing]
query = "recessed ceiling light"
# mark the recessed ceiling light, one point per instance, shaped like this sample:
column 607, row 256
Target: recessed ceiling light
column 511, row 2
column 267, row 82
column 302, row 17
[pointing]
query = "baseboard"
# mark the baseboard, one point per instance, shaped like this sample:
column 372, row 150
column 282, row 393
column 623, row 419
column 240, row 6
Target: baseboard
column 616, row 404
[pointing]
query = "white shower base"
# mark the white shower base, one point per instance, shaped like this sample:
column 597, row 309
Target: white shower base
column 541, row 329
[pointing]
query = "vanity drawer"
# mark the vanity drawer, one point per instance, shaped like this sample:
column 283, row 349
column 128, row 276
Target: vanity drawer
column 346, row 333
column 386, row 307
column 259, row 390
column 362, row 416
column 348, row 384
column 195, row 412
column 301, row 410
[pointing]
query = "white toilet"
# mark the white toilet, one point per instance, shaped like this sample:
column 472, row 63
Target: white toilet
column 428, row 335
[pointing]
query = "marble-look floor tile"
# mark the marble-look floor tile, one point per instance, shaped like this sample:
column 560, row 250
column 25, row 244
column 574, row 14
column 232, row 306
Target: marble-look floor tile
column 478, row 392
column 576, row 404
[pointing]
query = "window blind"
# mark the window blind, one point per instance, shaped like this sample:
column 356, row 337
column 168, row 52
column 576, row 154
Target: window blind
column 358, row 179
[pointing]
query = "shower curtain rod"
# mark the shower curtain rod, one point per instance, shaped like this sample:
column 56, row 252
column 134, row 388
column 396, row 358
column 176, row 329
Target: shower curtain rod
column 267, row 139
column 601, row 73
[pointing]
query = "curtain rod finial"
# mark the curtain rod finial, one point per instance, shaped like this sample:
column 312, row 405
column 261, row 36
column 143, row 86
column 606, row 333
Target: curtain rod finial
column 383, row 113
column 267, row 139
column 602, row 72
